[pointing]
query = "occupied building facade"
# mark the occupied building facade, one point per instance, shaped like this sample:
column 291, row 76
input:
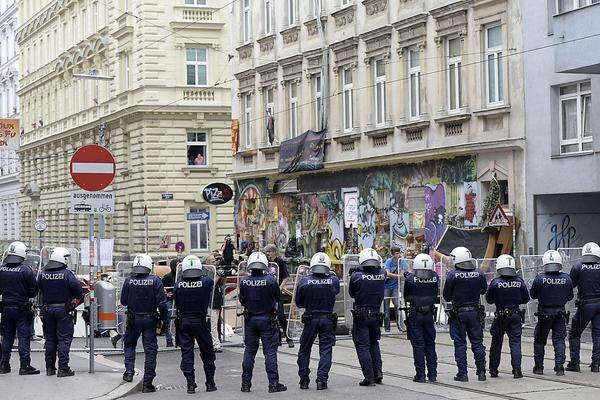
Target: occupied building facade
column 163, row 105
column 563, row 121
column 10, row 217
column 425, row 119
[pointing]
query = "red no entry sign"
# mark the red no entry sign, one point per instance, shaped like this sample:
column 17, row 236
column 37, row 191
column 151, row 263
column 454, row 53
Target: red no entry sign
column 92, row 168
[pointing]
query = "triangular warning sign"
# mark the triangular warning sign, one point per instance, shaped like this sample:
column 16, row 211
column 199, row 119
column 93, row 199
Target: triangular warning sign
column 498, row 217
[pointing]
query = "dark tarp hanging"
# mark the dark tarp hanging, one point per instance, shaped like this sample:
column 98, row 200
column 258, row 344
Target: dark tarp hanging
column 302, row 153
column 475, row 240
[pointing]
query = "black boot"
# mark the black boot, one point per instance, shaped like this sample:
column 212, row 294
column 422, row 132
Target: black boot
column 493, row 373
column 538, row 369
column 595, row 367
column 64, row 372
column 191, row 384
column 432, row 379
column 461, row 378
column 28, row 370
column 321, row 385
column 419, row 379
column 304, row 383
column 170, row 343
column 573, row 366
column 559, row 369
column 148, row 387
column 277, row 387
column 128, row 376
column 5, row 369
column 246, row 387
column 50, row 371
column 517, row 373
column 115, row 339
column 211, row 386
column 366, row 382
column 481, row 374
column 378, row 377
column 290, row 343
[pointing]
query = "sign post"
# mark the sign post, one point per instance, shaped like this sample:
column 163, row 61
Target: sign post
column 92, row 168
column 40, row 226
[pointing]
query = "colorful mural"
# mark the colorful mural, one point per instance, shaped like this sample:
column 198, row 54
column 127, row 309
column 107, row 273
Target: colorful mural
column 384, row 218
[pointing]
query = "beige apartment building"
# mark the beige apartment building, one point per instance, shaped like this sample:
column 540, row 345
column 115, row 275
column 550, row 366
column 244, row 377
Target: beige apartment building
column 163, row 107
column 425, row 114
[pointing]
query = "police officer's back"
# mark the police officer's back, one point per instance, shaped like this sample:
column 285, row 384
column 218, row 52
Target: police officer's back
column 421, row 290
column 553, row 289
column 366, row 287
column 316, row 294
column 585, row 275
column 193, row 295
column 259, row 295
column 58, row 289
column 143, row 294
column 463, row 288
column 17, row 286
column 508, row 291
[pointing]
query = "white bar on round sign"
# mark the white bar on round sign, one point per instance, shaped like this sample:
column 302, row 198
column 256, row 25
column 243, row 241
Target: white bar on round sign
column 93, row 168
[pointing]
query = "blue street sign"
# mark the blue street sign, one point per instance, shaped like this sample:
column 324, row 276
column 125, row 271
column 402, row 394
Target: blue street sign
column 198, row 216
column 167, row 196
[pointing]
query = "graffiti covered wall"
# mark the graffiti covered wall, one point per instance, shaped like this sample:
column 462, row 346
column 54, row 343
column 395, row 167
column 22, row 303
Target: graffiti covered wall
column 384, row 215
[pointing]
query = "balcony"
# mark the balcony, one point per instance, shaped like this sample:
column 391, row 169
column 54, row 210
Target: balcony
column 204, row 96
column 577, row 56
column 191, row 17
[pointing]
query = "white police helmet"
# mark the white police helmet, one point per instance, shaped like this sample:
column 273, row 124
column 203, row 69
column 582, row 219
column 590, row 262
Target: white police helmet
column 462, row 258
column 320, row 263
column 142, row 264
column 506, row 266
column 369, row 258
column 590, row 253
column 59, row 258
column 258, row 260
column 552, row 261
column 16, row 253
column 191, row 267
column 423, row 266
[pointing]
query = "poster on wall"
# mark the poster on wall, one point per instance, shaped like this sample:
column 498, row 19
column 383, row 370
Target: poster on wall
column 471, row 207
column 302, row 153
column 9, row 134
column 350, row 210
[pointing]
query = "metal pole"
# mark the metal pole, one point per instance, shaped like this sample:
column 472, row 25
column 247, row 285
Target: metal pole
column 324, row 72
column 101, row 224
column 146, row 229
column 514, row 231
column 92, row 294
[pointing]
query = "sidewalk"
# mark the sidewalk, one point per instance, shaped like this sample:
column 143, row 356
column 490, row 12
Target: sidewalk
column 105, row 384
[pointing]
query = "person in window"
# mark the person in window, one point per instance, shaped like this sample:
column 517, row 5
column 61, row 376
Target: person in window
column 199, row 160
column 272, row 253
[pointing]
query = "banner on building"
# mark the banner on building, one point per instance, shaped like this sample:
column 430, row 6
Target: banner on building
column 10, row 136
column 351, row 210
column 475, row 239
column 235, row 135
column 302, row 153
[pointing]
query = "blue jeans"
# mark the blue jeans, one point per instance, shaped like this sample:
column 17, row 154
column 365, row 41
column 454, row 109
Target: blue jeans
column 390, row 294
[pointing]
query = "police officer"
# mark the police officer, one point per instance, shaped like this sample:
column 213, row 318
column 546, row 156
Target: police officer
column 143, row 294
column 259, row 295
column 366, row 288
column 17, row 286
column 507, row 292
column 59, row 289
column 421, row 290
column 553, row 289
column 585, row 275
column 193, row 296
column 316, row 295
column 463, row 288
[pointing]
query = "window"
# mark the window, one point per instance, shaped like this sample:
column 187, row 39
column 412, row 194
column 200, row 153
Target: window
column 248, row 119
column 575, row 114
column 494, row 70
column 347, row 99
column 268, row 17
column 345, row 2
column 292, row 11
column 269, row 109
column 318, row 101
column 568, row 5
column 380, row 103
column 316, row 6
column 198, row 229
column 196, row 65
column 247, row 21
column 197, row 149
column 125, row 71
column 414, row 84
column 293, row 107
column 453, row 73
column 195, row 2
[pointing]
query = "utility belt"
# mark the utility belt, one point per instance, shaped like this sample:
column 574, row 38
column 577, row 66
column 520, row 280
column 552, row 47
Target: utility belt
column 422, row 309
column 546, row 313
column 457, row 309
column 21, row 306
column 367, row 314
column 505, row 313
column 582, row 302
column 307, row 318
column 132, row 316
column 248, row 315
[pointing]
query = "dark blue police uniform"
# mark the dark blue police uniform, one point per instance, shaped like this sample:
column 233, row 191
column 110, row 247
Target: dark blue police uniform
column 366, row 288
column 421, row 296
column 463, row 289
column 316, row 294
column 586, row 278
column 17, row 286
column 58, row 288
column 143, row 294
column 259, row 295
column 507, row 293
column 192, row 298
column 553, row 290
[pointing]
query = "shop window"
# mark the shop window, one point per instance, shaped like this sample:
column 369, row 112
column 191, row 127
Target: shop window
column 198, row 231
